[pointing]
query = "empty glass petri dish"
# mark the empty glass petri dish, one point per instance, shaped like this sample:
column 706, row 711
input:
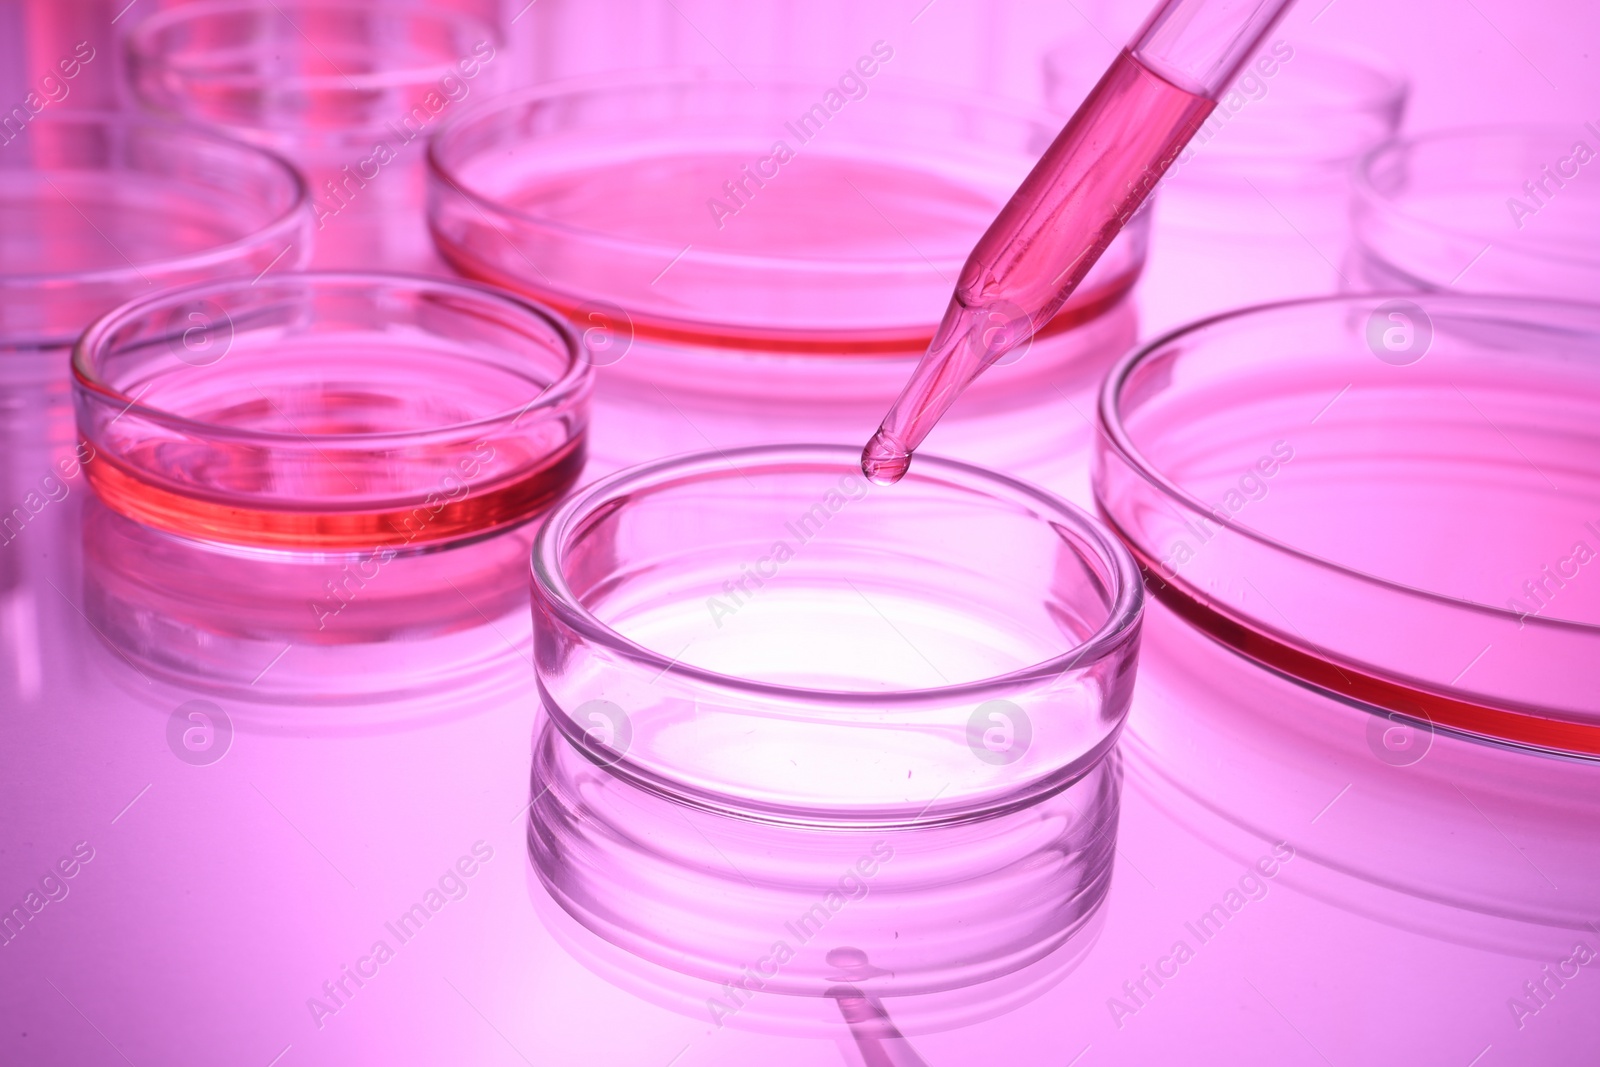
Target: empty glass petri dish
column 770, row 258
column 1499, row 210
column 348, row 91
column 96, row 209
column 1387, row 498
column 912, row 691
column 331, row 412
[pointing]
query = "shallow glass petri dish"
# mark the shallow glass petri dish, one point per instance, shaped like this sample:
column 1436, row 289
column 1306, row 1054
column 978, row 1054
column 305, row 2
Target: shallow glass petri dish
column 781, row 217
column 348, row 91
column 331, row 412
column 1391, row 499
column 96, row 209
column 892, row 711
column 1495, row 210
column 755, row 263
column 786, row 643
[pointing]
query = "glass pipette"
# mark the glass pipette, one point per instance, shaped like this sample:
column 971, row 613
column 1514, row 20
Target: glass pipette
column 1077, row 198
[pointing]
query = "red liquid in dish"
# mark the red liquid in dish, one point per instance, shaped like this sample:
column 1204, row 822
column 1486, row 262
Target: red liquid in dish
column 436, row 518
column 1087, row 186
column 368, row 443
column 838, row 252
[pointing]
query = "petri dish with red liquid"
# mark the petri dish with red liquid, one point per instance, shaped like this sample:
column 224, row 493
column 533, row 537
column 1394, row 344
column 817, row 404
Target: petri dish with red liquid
column 770, row 258
column 1389, row 498
column 331, row 412
column 921, row 687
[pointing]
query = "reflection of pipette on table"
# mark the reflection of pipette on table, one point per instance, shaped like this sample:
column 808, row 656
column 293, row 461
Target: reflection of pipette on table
column 1090, row 181
column 878, row 1041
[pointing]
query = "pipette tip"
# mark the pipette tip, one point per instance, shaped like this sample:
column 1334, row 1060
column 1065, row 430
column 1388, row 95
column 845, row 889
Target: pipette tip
column 883, row 461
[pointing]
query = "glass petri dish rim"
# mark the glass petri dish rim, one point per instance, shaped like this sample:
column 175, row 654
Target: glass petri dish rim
column 1122, row 618
column 141, row 48
column 1110, row 426
column 920, row 92
column 293, row 217
column 573, row 377
column 1367, row 195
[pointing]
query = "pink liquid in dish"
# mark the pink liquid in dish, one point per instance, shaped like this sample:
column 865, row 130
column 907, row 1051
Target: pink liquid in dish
column 1089, row 183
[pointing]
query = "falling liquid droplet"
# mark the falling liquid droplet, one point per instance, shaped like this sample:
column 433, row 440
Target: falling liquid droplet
column 883, row 461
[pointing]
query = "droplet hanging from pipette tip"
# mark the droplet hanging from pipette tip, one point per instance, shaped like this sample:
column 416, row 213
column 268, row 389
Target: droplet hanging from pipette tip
column 883, row 461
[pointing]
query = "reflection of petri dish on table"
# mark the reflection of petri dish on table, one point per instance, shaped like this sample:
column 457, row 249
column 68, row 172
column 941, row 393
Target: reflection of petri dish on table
column 331, row 412
column 96, row 209
column 285, row 636
column 1494, row 210
column 906, row 697
column 1392, row 499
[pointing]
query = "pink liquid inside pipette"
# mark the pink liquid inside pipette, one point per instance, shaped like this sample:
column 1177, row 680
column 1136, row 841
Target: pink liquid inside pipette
column 1084, row 189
